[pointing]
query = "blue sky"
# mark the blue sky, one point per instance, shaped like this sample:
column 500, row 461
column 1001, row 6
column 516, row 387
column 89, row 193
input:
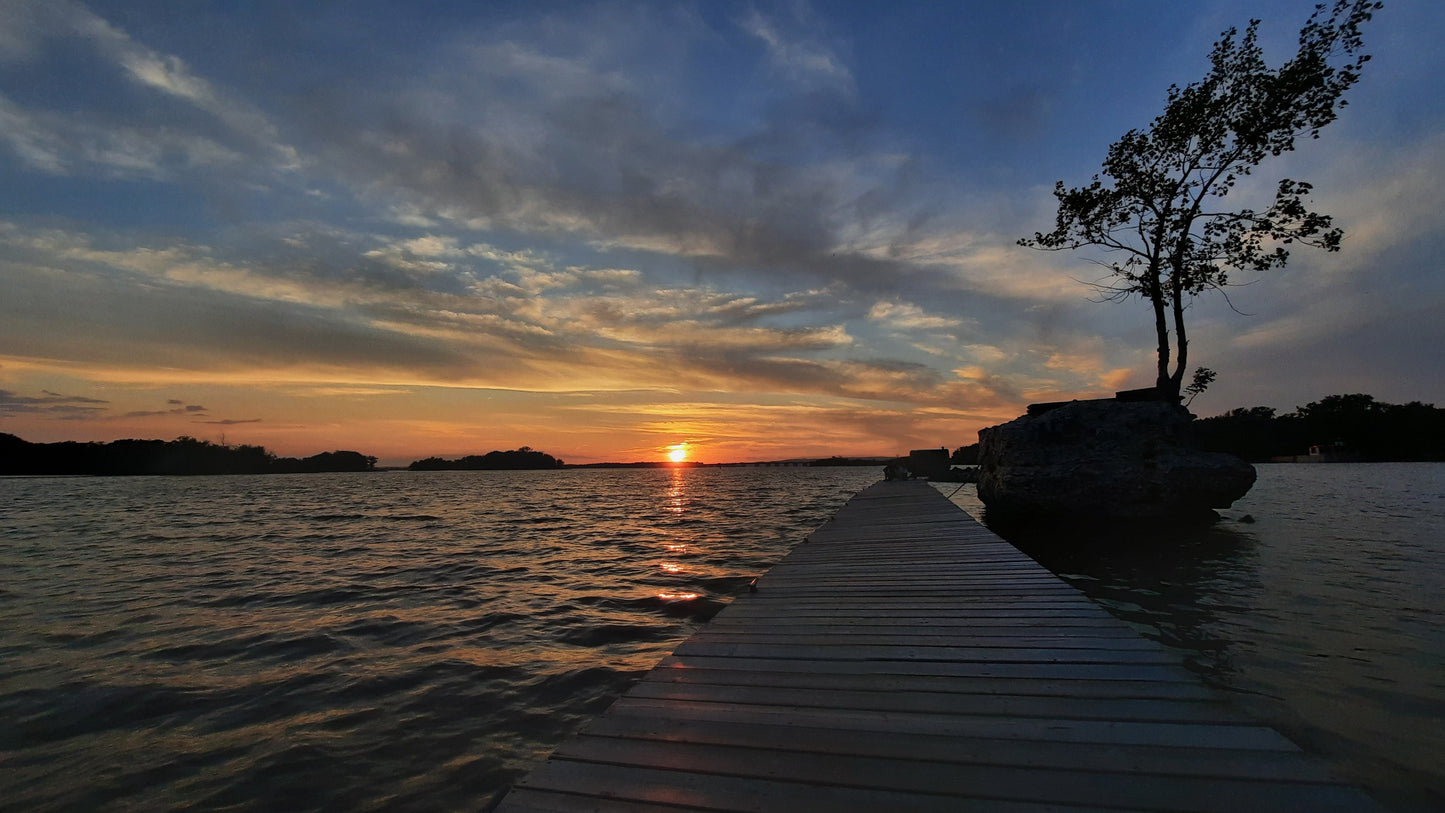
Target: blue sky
column 604, row 229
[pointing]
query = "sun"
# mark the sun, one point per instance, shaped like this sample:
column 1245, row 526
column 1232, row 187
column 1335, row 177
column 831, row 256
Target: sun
column 677, row 453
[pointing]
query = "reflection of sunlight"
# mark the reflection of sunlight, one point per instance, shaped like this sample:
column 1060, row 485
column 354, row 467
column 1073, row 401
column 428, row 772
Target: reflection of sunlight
column 676, row 547
column 676, row 493
column 671, row 567
column 678, row 596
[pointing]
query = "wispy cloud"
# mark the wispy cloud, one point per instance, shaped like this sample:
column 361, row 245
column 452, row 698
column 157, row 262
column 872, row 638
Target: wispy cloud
column 66, row 407
column 797, row 52
column 61, row 142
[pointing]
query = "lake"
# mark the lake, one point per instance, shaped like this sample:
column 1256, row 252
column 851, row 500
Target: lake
column 417, row 640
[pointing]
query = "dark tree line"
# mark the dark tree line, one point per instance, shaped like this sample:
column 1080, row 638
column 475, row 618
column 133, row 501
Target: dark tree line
column 965, row 455
column 184, row 455
column 523, row 458
column 1355, row 424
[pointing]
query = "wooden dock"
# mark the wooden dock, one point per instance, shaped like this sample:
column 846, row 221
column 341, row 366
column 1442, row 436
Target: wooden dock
column 906, row 658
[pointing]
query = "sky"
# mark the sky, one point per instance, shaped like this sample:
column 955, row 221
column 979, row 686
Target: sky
column 755, row 230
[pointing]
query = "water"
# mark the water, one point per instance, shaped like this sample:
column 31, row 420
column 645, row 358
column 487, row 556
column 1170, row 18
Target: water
column 392, row 640
column 418, row 640
column 1320, row 617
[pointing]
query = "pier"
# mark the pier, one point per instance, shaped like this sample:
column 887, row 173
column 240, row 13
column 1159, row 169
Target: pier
column 904, row 657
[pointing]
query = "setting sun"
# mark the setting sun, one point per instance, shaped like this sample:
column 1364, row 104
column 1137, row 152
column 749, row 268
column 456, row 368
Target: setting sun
column 677, row 453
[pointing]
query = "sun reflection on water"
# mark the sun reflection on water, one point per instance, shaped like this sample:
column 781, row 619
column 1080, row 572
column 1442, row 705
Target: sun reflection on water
column 676, row 498
column 676, row 503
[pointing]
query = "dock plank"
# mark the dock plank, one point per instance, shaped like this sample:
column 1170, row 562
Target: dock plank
column 903, row 657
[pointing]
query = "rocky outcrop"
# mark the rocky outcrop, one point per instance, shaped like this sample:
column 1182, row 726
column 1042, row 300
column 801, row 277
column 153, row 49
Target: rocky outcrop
column 1104, row 460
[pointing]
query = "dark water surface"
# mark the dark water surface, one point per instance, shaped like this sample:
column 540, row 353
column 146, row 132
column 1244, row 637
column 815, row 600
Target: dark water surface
column 393, row 640
column 1324, row 616
column 417, row 640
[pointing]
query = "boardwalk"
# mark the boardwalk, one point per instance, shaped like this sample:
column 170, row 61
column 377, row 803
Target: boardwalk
column 905, row 658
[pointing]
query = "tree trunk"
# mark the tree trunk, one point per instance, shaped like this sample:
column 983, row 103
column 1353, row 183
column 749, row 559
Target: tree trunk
column 1161, row 327
column 1176, row 381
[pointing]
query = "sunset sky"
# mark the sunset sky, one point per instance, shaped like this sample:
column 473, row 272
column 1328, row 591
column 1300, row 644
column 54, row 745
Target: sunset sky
column 758, row 230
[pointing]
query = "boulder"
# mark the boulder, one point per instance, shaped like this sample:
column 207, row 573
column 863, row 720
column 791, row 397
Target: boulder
column 1104, row 460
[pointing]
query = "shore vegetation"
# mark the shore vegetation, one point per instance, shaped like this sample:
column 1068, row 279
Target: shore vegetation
column 184, row 455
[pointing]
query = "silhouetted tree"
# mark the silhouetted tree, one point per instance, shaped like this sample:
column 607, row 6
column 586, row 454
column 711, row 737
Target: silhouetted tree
column 1156, row 215
column 965, row 455
column 1203, row 377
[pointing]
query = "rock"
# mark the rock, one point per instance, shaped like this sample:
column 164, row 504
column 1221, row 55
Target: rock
column 1104, row 460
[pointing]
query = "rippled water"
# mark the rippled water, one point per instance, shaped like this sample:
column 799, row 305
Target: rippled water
column 1322, row 616
column 354, row 641
column 418, row 640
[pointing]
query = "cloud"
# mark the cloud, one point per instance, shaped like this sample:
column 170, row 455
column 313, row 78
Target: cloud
column 177, row 407
column 805, row 60
column 54, row 404
column 512, row 132
column 584, row 328
column 65, row 142
column 904, row 316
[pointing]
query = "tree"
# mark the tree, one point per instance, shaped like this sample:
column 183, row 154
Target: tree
column 1203, row 377
column 1154, row 209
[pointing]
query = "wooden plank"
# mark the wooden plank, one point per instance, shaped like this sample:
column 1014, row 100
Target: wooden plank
column 1046, row 671
column 532, row 800
column 905, row 658
column 1013, row 705
column 1011, row 601
column 952, row 748
column 708, row 791
column 953, row 638
column 1048, row 729
column 928, row 625
column 962, row 781
column 1079, row 688
column 909, row 652
column 753, row 609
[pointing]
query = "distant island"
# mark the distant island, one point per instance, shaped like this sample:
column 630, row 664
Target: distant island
column 527, row 458
column 523, row 459
column 797, row 462
column 182, row 456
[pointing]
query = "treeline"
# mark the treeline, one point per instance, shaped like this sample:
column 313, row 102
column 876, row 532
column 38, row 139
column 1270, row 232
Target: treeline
column 184, row 455
column 523, row 458
column 1354, row 425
